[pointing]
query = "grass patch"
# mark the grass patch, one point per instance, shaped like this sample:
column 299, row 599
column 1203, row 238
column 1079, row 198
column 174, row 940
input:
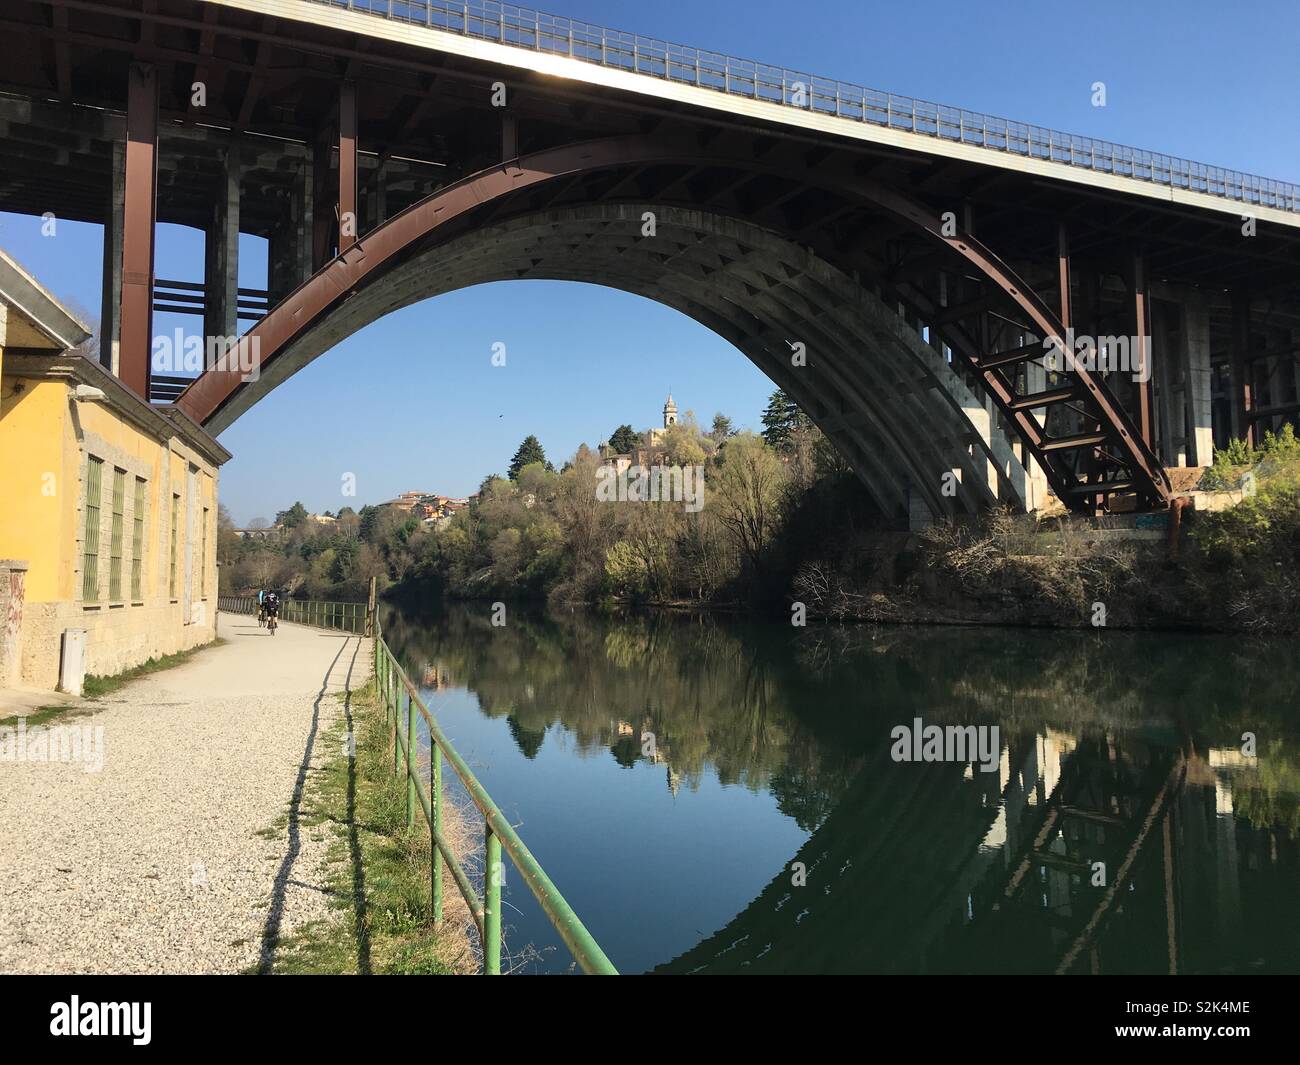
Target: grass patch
column 379, row 872
column 43, row 714
column 95, row 687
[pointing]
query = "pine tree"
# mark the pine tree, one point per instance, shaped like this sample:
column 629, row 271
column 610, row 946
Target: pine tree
column 624, row 440
column 781, row 420
column 530, row 451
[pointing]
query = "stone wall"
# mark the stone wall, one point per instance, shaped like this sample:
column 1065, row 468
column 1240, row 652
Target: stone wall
column 13, row 580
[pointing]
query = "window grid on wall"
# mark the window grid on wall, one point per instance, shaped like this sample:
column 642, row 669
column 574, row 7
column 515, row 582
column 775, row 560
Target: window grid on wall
column 90, row 553
column 115, row 539
column 203, row 572
column 137, row 542
column 171, row 582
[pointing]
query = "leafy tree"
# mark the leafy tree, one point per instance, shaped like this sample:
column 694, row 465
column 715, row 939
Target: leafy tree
column 683, row 443
column 782, row 420
column 293, row 517
column 530, row 451
column 624, row 439
column 746, row 493
column 722, row 427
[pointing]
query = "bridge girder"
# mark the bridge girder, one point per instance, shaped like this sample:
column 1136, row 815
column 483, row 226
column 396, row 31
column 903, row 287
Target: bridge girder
column 1133, row 467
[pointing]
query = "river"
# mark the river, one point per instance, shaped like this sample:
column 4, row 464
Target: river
column 715, row 793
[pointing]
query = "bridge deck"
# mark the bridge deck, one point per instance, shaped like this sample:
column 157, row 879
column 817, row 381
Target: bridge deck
column 798, row 96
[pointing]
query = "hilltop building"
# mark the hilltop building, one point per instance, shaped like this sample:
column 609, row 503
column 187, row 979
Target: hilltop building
column 651, row 450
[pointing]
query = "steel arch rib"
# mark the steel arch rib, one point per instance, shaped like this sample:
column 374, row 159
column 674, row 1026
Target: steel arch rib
column 374, row 253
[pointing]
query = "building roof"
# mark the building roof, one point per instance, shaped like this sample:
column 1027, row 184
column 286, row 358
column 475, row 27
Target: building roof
column 160, row 421
column 38, row 322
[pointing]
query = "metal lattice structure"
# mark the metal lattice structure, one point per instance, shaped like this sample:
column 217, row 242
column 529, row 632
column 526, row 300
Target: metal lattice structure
column 926, row 257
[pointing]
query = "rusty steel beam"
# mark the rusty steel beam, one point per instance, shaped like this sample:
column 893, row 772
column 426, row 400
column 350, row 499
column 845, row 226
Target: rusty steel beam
column 1063, row 273
column 509, row 138
column 1142, row 331
column 138, row 227
column 367, row 262
column 347, row 142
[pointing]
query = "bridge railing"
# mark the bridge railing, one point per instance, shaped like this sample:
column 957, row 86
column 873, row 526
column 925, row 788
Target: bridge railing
column 523, row 27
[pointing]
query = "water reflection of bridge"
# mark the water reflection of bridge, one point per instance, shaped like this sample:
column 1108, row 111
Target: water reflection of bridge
column 943, row 868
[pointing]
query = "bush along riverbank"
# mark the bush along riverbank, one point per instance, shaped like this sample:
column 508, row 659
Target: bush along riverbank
column 380, row 879
column 792, row 532
column 1227, row 570
column 782, row 521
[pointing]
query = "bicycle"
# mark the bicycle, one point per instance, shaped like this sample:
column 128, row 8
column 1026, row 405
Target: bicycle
column 261, row 615
column 271, row 623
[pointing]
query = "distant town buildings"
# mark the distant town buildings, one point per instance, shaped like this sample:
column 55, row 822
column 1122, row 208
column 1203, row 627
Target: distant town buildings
column 430, row 508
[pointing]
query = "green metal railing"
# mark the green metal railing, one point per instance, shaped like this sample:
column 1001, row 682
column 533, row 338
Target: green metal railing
column 402, row 705
column 350, row 617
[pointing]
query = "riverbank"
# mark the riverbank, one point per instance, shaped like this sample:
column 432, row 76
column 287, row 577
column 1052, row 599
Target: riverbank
column 378, row 870
column 1229, row 570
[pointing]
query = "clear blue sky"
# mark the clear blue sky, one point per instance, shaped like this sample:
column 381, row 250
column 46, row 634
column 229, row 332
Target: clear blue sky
column 413, row 402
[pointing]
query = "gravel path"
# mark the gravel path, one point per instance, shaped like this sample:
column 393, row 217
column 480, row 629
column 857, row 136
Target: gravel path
column 177, row 855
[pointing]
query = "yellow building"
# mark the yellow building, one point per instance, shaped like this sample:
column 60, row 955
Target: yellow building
column 108, row 507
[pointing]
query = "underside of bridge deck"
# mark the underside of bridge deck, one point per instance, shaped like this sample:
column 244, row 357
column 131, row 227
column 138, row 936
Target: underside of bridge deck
column 383, row 168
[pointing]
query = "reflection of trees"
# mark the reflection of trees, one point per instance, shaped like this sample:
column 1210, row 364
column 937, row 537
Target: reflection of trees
column 1270, row 797
column 717, row 697
column 795, row 710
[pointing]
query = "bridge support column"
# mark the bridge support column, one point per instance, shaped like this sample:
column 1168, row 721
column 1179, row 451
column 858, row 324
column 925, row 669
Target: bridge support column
column 1294, row 368
column 334, row 206
column 305, row 221
column 110, row 317
column 1242, row 394
column 1198, row 407
column 1166, row 375
column 139, row 215
column 221, row 266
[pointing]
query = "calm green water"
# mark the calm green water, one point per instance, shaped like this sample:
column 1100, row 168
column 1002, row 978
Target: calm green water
column 767, row 828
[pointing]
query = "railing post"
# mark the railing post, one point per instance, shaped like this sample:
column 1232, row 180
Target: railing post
column 410, row 761
column 397, row 723
column 492, row 906
column 435, row 800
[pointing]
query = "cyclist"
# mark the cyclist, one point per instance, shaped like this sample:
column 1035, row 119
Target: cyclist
column 271, row 605
column 261, row 607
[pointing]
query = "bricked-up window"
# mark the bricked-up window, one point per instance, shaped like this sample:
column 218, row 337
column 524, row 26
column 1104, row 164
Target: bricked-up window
column 203, row 573
column 90, row 549
column 115, row 541
column 137, row 542
column 176, row 511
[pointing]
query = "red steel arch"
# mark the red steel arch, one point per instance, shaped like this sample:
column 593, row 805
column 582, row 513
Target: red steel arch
column 1135, row 468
